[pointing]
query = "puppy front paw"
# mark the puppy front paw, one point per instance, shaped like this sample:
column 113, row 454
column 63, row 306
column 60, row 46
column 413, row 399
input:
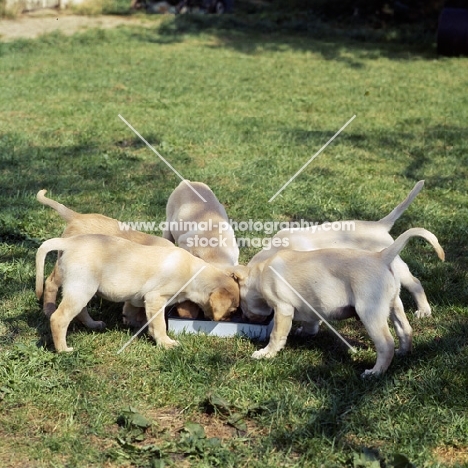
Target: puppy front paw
column 98, row 325
column 133, row 323
column 423, row 313
column 307, row 332
column 263, row 353
column 369, row 373
column 168, row 343
column 402, row 352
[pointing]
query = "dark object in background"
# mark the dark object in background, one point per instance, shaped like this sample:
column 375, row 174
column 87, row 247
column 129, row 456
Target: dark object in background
column 452, row 33
column 206, row 6
column 183, row 6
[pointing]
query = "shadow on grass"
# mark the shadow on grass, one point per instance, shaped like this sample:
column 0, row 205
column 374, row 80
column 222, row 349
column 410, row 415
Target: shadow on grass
column 33, row 318
column 437, row 154
column 251, row 34
column 86, row 166
column 415, row 148
column 349, row 414
column 89, row 169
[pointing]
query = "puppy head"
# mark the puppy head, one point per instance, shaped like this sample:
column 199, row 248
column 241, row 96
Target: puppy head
column 222, row 304
column 222, row 293
column 253, row 306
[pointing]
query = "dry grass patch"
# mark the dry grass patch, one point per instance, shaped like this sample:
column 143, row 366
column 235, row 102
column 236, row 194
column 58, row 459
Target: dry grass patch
column 171, row 421
column 451, row 456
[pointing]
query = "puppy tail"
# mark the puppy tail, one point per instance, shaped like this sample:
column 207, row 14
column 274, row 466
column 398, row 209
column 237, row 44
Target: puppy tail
column 389, row 254
column 62, row 210
column 390, row 219
column 57, row 243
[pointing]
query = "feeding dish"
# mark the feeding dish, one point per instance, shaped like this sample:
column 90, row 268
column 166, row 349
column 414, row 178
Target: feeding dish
column 225, row 329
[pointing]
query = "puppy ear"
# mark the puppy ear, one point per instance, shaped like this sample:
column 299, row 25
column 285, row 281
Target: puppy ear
column 239, row 273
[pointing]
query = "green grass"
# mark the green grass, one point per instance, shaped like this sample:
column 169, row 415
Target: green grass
column 240, row 108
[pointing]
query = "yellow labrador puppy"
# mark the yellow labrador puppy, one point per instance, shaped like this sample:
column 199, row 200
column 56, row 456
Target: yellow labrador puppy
column 338, row 284
column 142, row 276
column 200, row 226
column 367, row 235
column 92, row 223
column 197, row 222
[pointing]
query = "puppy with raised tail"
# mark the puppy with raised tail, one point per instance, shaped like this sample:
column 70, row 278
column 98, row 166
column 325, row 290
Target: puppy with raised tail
column 139, row 275
column 366, row 235
column 338, row 284
column 92, row 223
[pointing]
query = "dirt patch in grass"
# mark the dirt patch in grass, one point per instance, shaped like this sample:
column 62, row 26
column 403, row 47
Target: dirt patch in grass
column 12, row 458
column 170, row 431
column 172, row 421
column 451, row 456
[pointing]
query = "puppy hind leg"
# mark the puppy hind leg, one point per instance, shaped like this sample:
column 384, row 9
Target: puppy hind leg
column 413, row 285
column 88, row 322
column 375, row 322
column 402, row 327
column 68, row 309
column 52, row 285
column 282, row 323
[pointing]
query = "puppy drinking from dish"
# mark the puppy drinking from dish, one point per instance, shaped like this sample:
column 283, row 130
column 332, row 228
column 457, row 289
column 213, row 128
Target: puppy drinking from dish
column 366, row 235
column 338, row 284
column 139, row 275
column 92, row 223
column 197, row 222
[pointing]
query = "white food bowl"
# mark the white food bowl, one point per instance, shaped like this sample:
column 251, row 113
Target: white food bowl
column 255, row 331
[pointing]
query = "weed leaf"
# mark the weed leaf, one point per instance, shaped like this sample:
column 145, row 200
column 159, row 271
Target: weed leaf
column 195, row 430
column 236, row 420
column 215, row 404
column 131, row 418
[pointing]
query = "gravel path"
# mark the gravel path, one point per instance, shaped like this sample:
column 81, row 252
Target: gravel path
column 31, row 25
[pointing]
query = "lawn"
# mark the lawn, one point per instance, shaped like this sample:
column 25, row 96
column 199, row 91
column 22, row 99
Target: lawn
column 241, row 107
